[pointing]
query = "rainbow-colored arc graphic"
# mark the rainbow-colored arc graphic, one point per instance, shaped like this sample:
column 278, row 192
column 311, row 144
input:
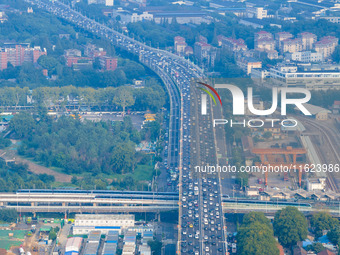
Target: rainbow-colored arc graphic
column 209, row 93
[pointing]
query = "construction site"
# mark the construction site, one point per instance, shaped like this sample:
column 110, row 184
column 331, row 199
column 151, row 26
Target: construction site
column 293, row 159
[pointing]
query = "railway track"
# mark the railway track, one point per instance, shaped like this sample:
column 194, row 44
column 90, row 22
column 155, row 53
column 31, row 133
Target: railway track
column 332, row 139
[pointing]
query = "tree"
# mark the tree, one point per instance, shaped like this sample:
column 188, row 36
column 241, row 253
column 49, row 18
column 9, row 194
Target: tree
column 8, row 215
column 317, row 247
column 256, row 217
column 290, row 226
column 123, row 98
column 334, row 235
column 22, row 124
column 156, row 247
column 323, row 221
column 52, row 235
column 48, row 62
column 257, row 239
column 267, row 135
column 336, row 54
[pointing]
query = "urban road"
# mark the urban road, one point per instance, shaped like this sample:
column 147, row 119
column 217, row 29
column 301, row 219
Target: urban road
column 203, row 235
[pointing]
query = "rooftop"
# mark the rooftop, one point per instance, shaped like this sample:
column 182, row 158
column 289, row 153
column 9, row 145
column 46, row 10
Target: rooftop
column 105, row 217
column 313, row 109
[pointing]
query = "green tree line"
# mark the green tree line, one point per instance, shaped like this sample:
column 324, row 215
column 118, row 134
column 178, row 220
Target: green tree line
column 151, row 97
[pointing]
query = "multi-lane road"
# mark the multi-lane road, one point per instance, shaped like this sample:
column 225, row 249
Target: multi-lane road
column 200, row 196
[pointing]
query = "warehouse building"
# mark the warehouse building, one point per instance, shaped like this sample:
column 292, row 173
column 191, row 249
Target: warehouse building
column 84, row 223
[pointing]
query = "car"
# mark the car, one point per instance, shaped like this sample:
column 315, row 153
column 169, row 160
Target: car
column 207, row 248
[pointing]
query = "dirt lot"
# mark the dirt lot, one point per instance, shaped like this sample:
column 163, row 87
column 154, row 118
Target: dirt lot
column 33, row 167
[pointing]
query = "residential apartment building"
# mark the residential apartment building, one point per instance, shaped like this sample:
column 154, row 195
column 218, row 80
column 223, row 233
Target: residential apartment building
column 291, row 45
column 264, row 40
column 180, row 45
column 205, row 53
column 266, row 44
column 281, row 36
column 108, row 63
column 326, row 45
column 308, row 40
column 247, row 64
column 17, row 54
column 233, row 45
column 261, row 35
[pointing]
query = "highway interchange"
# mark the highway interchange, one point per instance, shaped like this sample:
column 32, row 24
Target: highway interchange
column 201, row 228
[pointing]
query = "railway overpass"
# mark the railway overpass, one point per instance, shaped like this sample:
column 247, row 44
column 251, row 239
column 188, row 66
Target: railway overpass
column 141, row 202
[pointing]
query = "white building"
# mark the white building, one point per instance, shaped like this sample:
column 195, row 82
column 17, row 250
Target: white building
column 106, row 2
column 140, row 17
column 259, row 74
column 314, row 78
column 109, row 2
column 144, row 250
column 84, row 223
column 256, row 12
column 316, row 184
column 332, row 19
column 305, row 56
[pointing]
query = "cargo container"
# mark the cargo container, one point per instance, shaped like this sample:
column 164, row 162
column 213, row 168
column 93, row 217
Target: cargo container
column 74, row 244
